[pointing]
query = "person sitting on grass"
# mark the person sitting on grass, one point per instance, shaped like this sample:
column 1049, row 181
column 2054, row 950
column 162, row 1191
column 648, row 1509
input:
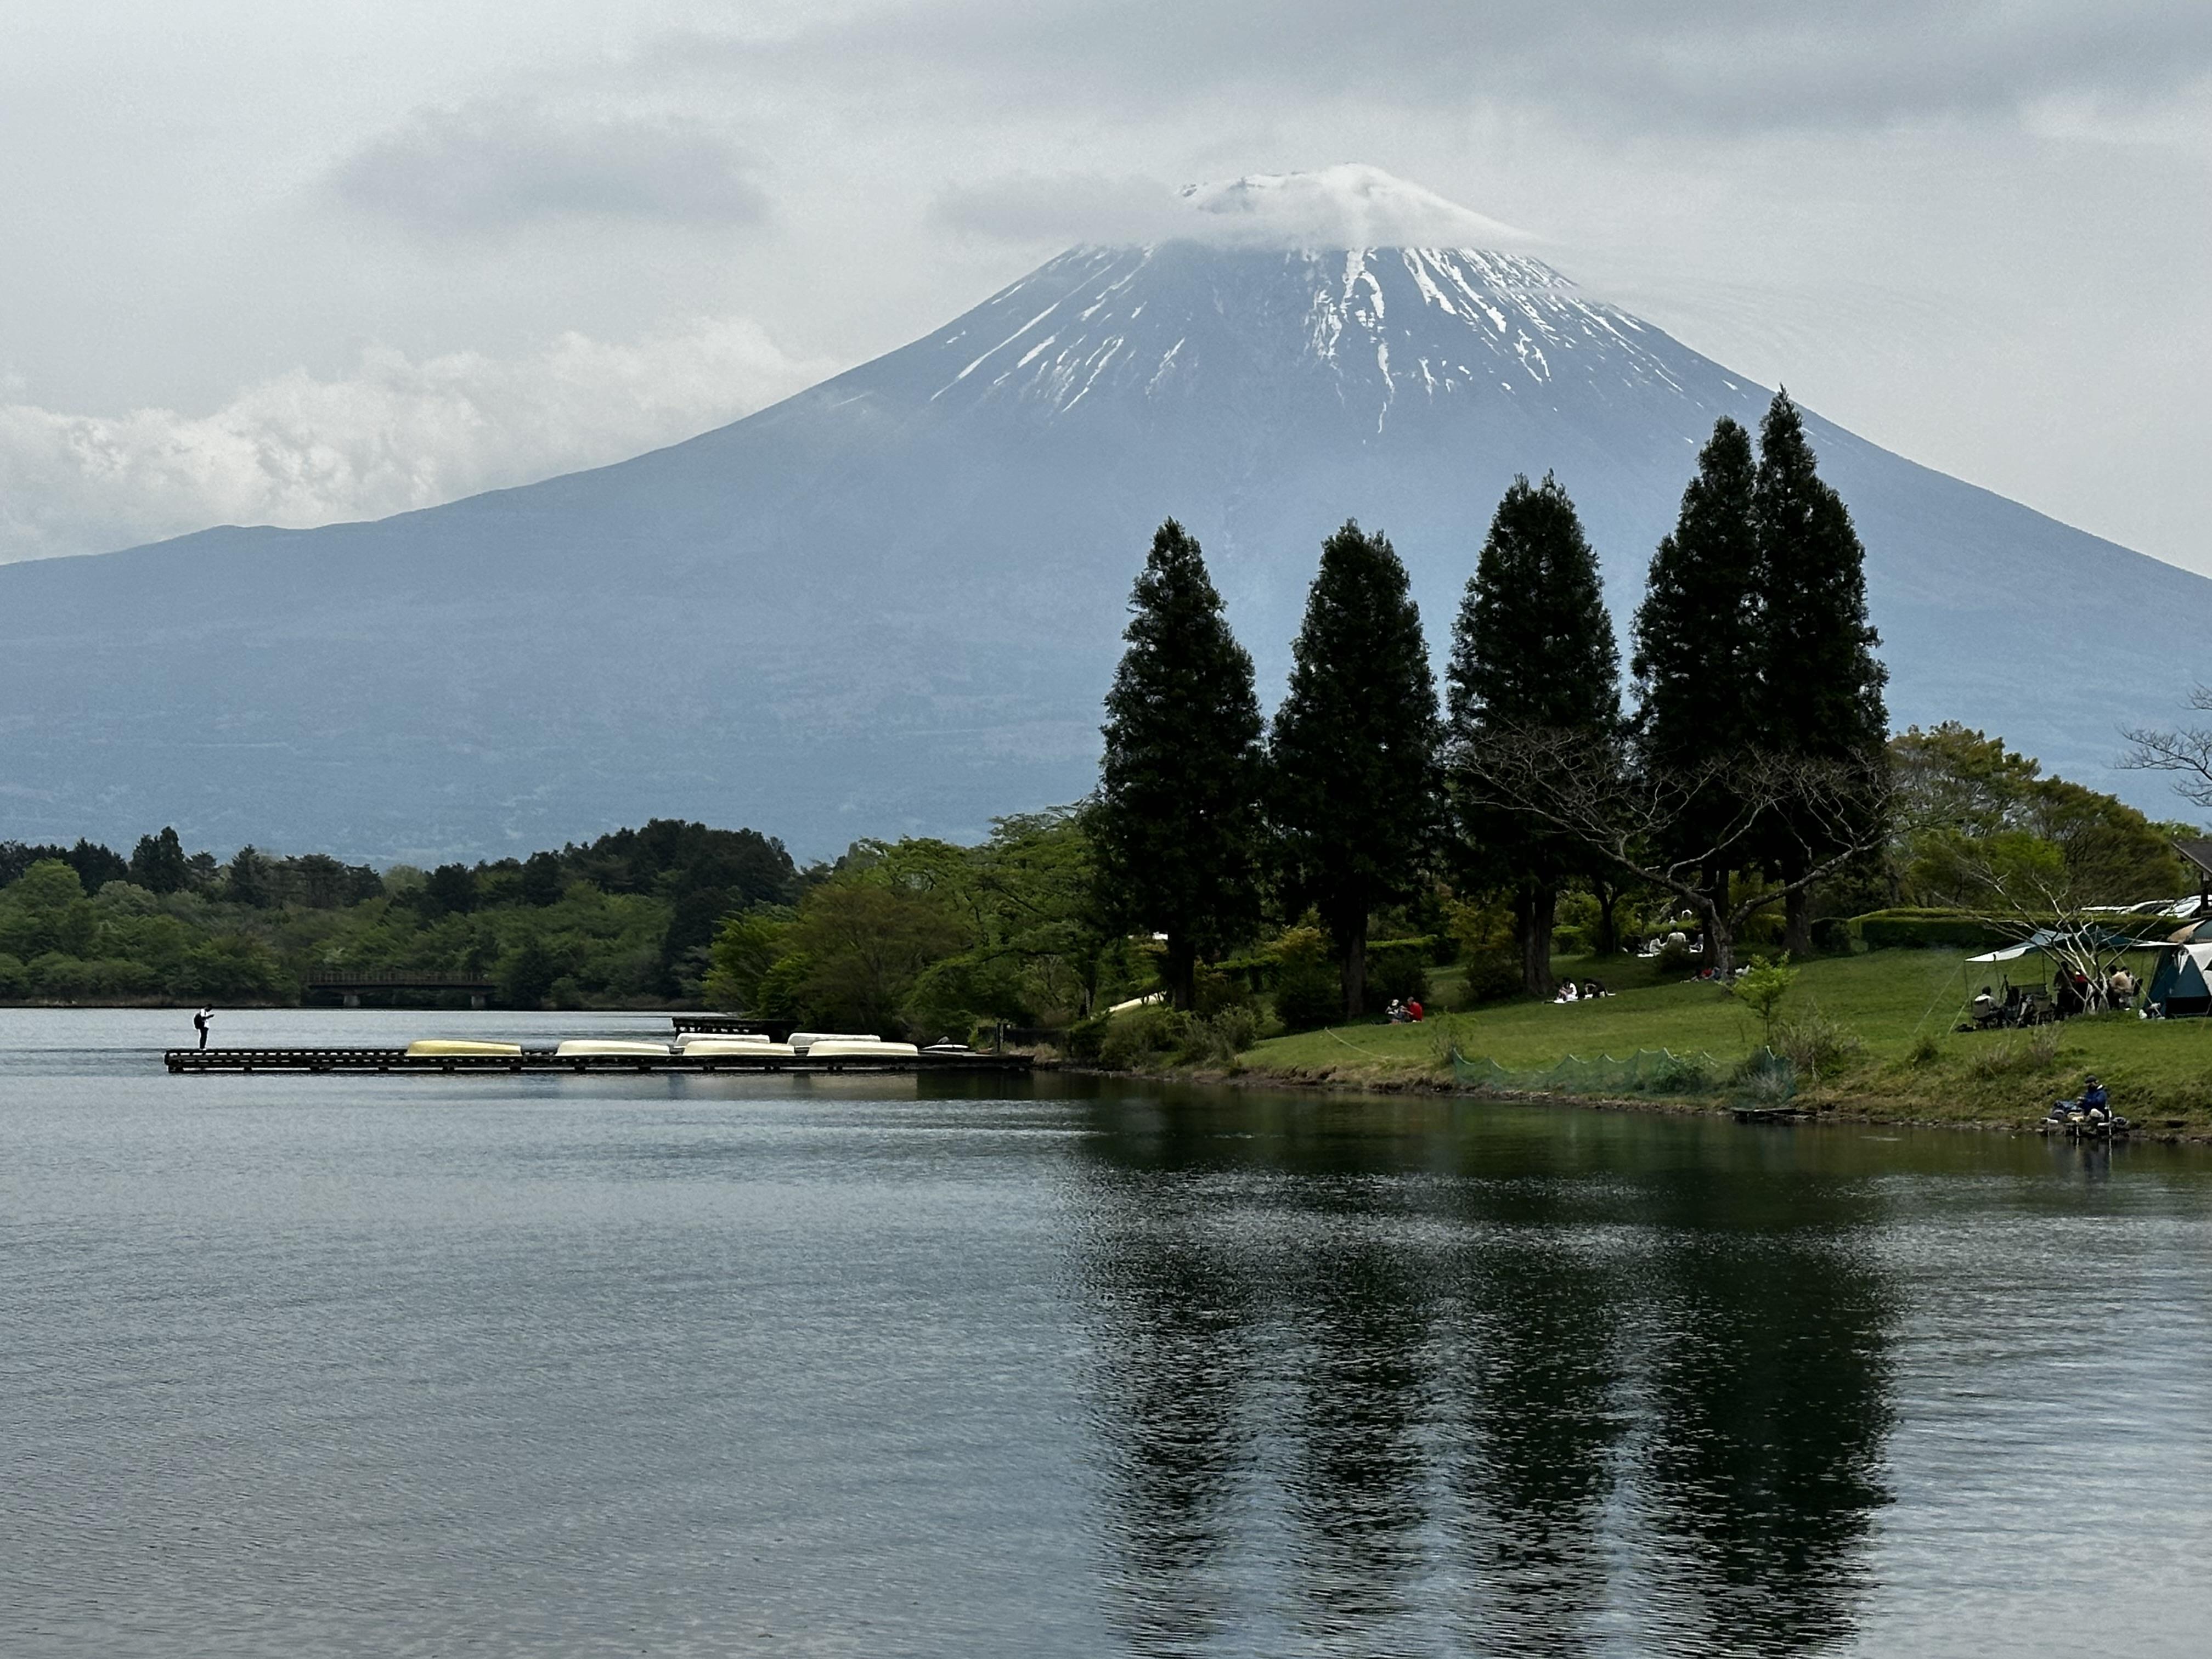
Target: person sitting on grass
column 1567, row 992
column 1413, row 1011
column 2095, row 1100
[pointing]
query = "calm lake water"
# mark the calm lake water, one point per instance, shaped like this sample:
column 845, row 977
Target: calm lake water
column 416, row 1365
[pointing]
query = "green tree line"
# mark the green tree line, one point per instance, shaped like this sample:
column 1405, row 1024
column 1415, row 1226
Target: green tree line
column 625, row 919
column 1735, row 771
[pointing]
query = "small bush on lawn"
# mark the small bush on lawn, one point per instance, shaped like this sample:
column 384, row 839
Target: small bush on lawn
column 1217, row 1039
column 1816, row 1045
column 1492, row 977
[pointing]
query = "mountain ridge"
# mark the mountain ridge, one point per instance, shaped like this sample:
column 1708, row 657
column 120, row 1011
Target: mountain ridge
column 891, row 602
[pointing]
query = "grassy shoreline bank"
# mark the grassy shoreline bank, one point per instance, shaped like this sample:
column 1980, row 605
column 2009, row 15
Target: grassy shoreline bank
column 1892, row 1013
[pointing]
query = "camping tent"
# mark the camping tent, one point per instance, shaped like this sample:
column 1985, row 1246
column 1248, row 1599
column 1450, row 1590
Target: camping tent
column 2181, row 983
column 2082, row 941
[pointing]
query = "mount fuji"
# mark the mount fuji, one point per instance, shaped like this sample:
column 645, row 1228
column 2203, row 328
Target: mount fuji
column 892, row 603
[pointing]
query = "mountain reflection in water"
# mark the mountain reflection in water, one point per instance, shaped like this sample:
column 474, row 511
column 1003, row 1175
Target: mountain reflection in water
column 700, row 1366
column 1549, row 1391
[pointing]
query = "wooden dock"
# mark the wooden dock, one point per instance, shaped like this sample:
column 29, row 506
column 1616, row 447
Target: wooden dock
column 544, row 1060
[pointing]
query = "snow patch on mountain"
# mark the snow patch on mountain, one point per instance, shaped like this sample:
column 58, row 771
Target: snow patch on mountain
column 1371, row 323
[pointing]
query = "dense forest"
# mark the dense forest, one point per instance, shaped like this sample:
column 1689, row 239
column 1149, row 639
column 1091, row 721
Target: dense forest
column 625, row 921
column 1252, row 872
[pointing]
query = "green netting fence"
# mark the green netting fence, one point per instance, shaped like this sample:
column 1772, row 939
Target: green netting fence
column 1762, row 1076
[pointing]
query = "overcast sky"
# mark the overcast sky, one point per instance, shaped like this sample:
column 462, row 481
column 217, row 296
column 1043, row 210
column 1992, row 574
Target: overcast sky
column 274, row 263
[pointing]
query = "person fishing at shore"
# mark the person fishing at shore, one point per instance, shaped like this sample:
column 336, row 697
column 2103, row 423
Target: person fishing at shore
column 201, row 1021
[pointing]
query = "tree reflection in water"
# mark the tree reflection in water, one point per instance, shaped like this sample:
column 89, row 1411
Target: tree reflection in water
column 1473, row 1382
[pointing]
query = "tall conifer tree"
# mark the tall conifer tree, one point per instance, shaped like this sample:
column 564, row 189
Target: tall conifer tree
column 1699, row 658
column 1532, row 650
column 1176, row 823
column 1821, row 693
column 1353, row 756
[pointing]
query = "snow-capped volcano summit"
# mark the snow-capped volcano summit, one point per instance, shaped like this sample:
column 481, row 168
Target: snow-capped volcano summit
column 1371, row 328
column 893, row 602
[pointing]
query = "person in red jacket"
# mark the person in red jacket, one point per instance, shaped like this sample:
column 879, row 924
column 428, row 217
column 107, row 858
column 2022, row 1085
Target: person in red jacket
column 1414, row 1009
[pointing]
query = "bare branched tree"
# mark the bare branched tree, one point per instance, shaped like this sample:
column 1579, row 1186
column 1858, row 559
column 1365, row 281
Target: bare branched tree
column 2023, row 890
column 2186, row 751
column 1592, row 789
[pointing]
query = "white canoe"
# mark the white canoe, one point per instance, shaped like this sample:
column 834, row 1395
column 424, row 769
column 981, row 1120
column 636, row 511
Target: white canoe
column 755, row 1049
column 690, row 1038
column 579, row 1046
column 450, row 1046
column 867, row 1048
column 808, row 1039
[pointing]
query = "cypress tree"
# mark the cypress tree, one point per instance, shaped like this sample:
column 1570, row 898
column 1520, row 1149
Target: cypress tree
column 1352, row 757
column 1532, row 650
column 1820, row 685
column 1176, row 823
column 158, row 863
column 1699, row 655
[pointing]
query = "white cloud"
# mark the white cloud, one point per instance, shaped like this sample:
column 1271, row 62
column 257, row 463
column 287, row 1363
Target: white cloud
column 395, row 434
column 1349, row 205
column 1626, row 66
column 495, row 166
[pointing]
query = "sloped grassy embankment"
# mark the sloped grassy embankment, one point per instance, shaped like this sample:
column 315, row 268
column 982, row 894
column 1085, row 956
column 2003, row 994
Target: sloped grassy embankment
column 1903, row 1062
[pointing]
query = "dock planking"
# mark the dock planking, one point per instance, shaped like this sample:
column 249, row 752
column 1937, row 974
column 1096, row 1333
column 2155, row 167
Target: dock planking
column 194, row 1061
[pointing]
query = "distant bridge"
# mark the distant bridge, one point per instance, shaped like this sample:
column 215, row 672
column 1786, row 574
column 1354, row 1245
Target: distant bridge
column 348, row 983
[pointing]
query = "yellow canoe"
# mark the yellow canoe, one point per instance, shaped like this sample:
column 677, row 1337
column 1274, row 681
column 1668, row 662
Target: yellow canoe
column 448, row 1046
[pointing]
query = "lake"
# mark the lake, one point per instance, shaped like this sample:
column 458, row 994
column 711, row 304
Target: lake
column 690, row 1364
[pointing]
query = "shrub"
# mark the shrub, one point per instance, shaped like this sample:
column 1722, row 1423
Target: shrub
column 1815, row 1044
column 1144, row 1037
column 1086, row 1037
column 1309, row 998
column 1492, row 975
column 1678, row 1074
column 1925, row 1050
column 1765, row 1078
column 1217, row 991
column 1217, row 1040
column 1831, row 936
column 1675, row 956
column 1761, row 987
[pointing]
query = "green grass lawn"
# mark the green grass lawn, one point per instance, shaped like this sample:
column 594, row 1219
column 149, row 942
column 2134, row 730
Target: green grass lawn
column 2158, row 1070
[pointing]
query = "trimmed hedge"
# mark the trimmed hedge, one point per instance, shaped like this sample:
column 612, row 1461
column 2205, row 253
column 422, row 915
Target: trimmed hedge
column 1889, row 930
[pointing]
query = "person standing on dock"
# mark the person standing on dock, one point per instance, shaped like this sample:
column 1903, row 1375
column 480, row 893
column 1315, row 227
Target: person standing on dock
column 201, row 1021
